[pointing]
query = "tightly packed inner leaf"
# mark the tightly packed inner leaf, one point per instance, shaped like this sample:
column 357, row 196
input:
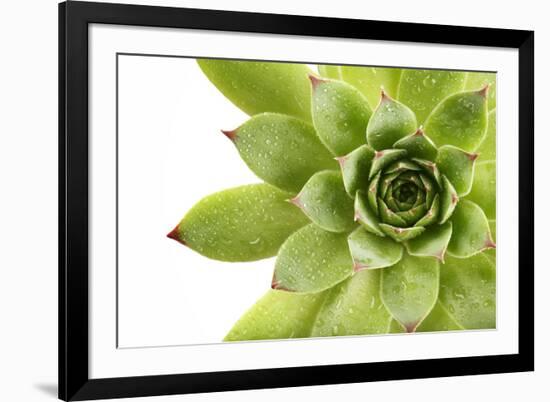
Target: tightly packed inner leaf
column 380, row 205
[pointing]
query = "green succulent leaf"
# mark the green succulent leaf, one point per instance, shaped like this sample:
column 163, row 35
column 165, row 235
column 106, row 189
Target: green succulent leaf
column 372, row 193
column 468, row 288
column 432, row 243
column 431, row 215
column 431, row 169
column 245, row 223
column 439, row 319
column 458, row 166
column 370, row 251
column 484, row 188
column 325, row 201
column 479, row 80
column 360, row 250
column 488, row 149
column 384, row 158
column 418, row 145
column 388, row 216
column 278, row 315
column 355, row 168
column 371, row 80
column 390, row 122
column 330, row 71
column 257, row 87
column 401, row 234
column 422, row 90
column 471, row 231
column 401, row 166
column 281, row 150
column 414, row 214
column 396, row 328
column 340, row 115
column 365, row 215
column 383, row 188
column 409, row 289
column 459, row 120
column 448, row 200
column 312, row 260
column 353, row 308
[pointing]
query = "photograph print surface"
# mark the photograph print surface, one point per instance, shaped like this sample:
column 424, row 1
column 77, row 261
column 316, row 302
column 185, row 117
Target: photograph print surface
column 274, row 200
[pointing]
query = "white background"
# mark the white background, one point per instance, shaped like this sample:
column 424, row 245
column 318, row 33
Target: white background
column 28, row 283
column 170, row 118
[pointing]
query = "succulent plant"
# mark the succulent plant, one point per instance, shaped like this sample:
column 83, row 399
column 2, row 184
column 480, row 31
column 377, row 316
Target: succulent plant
column 378, row 201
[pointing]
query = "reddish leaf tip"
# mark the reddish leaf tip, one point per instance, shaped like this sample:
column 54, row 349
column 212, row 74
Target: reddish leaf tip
column 454, row 198
column 441, row 256
column 379, row 154
column 472, row 156
column 489, row 243
column 357, row 266
column 276, row 285
column 174, row 235
column 341, row 160
column 419, row 132
column 484, row 91
column 315, row 81
column 231, row 134
column 410, row 327
column 296, row 201
column 383, row 95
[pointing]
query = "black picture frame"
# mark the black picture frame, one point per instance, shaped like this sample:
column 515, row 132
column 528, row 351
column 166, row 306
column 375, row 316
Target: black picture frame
column 74, row 381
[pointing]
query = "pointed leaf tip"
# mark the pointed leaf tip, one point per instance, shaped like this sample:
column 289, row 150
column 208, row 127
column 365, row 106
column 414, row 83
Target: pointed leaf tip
column 174, row 235
column 231, row 134
column 484, row 91
column 276, row 285
column 295, row 201
column 274, row 282
column 341, row 160
column 472, row 156
column 357, row 266
column 383, row 95
column 315, row 81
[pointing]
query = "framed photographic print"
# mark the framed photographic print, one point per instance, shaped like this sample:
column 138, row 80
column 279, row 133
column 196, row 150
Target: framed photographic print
column 257, row 200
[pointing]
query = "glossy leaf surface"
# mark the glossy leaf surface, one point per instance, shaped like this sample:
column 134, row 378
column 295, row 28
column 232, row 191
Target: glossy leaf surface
column 370, row 251
column 471, row 232
column 354, row 308
column 281, row 150
column 325, row 201
column 468, row 289
column 390, row 122
column 312, row 260
column 257, row 87
column 245, row 223
column 340, row 115
column 422, row 90
column 410, row 289
column 278, row 315
column 460, row 120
